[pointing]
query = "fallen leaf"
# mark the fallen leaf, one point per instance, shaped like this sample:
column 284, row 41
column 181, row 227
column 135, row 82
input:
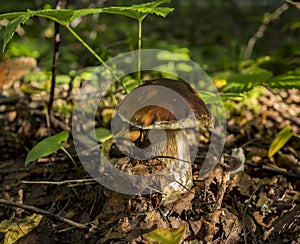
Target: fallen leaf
column 282, row 137
column 14, row 230
column 166, row 236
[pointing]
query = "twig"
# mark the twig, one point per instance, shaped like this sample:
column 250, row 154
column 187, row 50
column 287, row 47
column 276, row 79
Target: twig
column 58, row 123
column 58, row 183
column 294, row 2
column 268, row 18
column 9, row 100
column 47, row 214
column 271, row 169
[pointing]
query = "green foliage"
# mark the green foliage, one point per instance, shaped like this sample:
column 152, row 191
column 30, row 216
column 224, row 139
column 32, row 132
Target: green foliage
column 65, row 16
column 246, row 80
column 264, row 71
column 140, row 11
column 209, row 97
column 247, row 101
column 102, row 134
column 293, row 25
column 282, row 137
column 261, row 72
column 47, row 146
column 9, row 31
column 285, row 81
column 27, row 47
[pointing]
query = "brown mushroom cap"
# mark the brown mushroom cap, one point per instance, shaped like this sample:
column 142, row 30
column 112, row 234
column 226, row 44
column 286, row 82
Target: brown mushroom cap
column 152, row 106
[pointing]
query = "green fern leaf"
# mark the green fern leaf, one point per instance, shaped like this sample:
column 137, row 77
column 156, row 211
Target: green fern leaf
column 247, row 80
column 285, row 81
column 7, row 34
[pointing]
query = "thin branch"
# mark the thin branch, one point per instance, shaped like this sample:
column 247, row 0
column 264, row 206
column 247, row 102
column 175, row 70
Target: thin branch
column 272, row 169
column 45, row 213
column 58, row 182
column 55, row 57
column 268, row 18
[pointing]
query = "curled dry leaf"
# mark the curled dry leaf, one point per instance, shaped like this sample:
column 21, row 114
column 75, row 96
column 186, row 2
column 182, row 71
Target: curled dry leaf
column 15, row 69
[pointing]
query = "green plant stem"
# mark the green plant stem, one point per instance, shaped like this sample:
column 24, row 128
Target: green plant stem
column 87, row 47
column 95, row 55
column 139, row 51
column 69, row 155
column 48, row 120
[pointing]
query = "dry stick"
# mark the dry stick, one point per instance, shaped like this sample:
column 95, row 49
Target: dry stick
column 9, row 100
column 45, row 213
column 262, row 28
column 271, row 169
column 58, row 182
column 294, row 2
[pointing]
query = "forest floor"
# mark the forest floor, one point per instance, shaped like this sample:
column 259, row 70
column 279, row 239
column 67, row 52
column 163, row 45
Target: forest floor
column 258, row 205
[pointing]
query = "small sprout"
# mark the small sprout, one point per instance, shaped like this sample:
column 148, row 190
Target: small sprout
column 47, row 146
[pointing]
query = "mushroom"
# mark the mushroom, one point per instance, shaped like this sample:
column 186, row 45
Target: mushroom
column 165, row 108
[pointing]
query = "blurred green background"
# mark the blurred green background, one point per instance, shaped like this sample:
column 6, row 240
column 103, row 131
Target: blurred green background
column 214, row 33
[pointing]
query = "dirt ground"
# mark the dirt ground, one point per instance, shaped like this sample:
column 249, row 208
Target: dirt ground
column 258, row 205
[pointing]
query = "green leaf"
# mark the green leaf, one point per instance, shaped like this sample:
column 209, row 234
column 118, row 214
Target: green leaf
column 229, row 95
column 292, row 25
column 135, row 11
column 210, row 97
column 65, row 16
column 140, row 11
column 247, row 80
column 15, row 229
column 47, row 146
column 285, row 81
column 102, row 134
column 166, row 236
column 12, row 15
column 9, row 31
column 61, row 16
column 82, row 12
column 282, row 137
column 63, row 79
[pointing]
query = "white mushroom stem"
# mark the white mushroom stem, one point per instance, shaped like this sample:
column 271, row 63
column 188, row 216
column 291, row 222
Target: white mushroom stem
column 178, row 165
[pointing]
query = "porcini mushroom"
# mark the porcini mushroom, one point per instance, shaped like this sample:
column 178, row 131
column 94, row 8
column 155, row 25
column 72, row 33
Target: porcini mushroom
column 165, row 108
